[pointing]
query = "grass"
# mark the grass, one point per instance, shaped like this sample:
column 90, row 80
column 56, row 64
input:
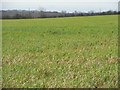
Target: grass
column 60, row 52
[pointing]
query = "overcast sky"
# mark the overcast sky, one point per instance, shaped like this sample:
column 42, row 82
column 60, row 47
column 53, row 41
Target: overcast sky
column 59, row 5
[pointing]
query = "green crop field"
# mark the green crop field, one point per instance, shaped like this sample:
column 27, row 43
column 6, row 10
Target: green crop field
column 60, row 52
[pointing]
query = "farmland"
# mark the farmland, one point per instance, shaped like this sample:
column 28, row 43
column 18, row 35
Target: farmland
column 60, row 52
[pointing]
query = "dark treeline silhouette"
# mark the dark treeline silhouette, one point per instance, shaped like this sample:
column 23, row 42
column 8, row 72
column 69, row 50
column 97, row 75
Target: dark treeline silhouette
column 24, row 14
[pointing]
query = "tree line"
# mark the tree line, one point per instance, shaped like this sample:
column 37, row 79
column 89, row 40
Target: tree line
column 24, row 14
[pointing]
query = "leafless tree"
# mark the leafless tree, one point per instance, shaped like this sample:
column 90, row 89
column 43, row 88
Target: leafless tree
column 75, row 13
column 63, row 13
column 41, row 11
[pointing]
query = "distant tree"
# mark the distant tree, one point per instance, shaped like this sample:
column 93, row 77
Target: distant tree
column 17, row 16
column 91, row 12
column 42, row 12
column 75, row 13
column 63, row 13
column 110, row 12
column 29, row 15
column 5, row 17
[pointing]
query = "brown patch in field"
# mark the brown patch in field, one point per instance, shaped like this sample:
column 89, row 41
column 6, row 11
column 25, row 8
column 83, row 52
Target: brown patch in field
column 113, row 60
